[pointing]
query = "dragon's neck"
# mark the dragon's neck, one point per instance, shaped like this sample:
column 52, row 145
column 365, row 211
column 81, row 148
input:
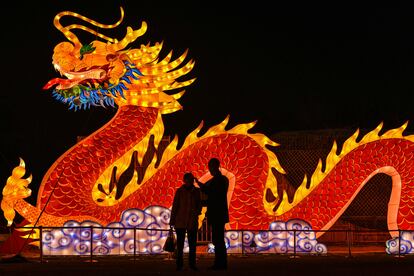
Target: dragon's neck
column 71, row 178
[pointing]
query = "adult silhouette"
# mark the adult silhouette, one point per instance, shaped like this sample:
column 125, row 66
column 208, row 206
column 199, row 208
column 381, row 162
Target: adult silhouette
column 184, row 218
column 217, row 211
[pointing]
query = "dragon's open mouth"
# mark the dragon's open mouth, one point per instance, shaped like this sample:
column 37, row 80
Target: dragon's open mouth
column 92, row 87
column 93, row 75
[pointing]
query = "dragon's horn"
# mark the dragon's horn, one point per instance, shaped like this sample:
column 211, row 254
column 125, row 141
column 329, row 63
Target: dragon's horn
column 73, row 38
column 130, row 36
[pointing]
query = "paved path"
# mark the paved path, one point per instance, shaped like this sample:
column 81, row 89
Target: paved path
column 252, row 265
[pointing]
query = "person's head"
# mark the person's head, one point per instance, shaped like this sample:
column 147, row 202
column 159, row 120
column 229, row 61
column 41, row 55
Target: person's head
column 188, row 179
column 214, row 166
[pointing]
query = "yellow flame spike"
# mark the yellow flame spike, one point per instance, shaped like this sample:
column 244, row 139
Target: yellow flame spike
column 192, row 137
column 262, row 140
column 21, row 162
column 170, row 108
column 397, row 132
column 131, row 36
column 158, row 131
column 27, row 181
column 170, row 151
column 178, row 95
column 15, row 190
column 301, row 192
column 243, row 128
column 8, row 212
column 164, row 98
column 176, row 85
column 155, row 49
column 373, row 135
column 350, row 143
column 274, row 162
column 148, row 55
column 177, row 73
column 18, row 172
column 317, row 175
column 165, row 60
column 409, row 137
column 332, row 159
column 218, row 128
column 175, row 63
column 156, row 69
column 284, row 205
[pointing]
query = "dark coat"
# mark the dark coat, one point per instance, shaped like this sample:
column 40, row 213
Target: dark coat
column 186, row 208
column 216, row 191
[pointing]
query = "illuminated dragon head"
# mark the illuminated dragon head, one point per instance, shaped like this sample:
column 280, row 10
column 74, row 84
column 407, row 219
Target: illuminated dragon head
column 105, row 73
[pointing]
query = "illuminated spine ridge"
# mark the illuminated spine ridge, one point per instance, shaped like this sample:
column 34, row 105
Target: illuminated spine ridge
column 333, row 189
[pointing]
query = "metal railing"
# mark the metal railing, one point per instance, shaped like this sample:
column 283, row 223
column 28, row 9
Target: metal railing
column 295, row 242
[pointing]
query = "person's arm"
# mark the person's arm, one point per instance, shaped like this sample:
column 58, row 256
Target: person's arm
column 199, row 182
column 203, row 186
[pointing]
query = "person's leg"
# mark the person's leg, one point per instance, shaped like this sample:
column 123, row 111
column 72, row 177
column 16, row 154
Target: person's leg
column 180, row 247
column 192, row 244
column 220, row 256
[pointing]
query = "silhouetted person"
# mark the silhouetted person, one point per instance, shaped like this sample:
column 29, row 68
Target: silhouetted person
column 184, row 218
column 217, row 211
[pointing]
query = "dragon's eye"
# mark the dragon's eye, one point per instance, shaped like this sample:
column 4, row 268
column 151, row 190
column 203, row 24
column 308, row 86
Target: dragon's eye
column 86, row 49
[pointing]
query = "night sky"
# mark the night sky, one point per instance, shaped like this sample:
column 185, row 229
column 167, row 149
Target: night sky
column 297, row 67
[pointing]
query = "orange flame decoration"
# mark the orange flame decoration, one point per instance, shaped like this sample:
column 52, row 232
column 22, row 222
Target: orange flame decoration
column 104, row 174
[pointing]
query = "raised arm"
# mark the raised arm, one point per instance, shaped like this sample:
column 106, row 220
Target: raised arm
column 203, row 186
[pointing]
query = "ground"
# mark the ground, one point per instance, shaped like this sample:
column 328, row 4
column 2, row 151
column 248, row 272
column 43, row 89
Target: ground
column 360, row 263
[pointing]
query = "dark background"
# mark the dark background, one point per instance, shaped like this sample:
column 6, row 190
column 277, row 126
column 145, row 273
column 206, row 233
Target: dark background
column 291, row 67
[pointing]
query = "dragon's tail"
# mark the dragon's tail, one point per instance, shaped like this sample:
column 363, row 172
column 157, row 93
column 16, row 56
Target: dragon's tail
column 14, row 190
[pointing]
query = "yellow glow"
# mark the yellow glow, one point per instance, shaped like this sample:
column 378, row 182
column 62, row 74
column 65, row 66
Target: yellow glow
column 332, row 160
column 71, row 37
column 123, row 162
column 171, row 150
column 14, row 190
column 155, row 76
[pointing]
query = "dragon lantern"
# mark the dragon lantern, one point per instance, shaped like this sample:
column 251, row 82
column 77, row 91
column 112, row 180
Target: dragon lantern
column 103, row 175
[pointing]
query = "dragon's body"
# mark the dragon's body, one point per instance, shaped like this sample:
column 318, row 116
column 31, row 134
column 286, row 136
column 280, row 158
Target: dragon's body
column 104, row 174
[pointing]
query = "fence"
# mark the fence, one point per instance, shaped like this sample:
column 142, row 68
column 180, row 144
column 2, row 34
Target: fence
column 92, row 241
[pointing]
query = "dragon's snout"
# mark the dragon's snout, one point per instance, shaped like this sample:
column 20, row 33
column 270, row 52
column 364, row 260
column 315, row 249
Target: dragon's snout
column 75, row 78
